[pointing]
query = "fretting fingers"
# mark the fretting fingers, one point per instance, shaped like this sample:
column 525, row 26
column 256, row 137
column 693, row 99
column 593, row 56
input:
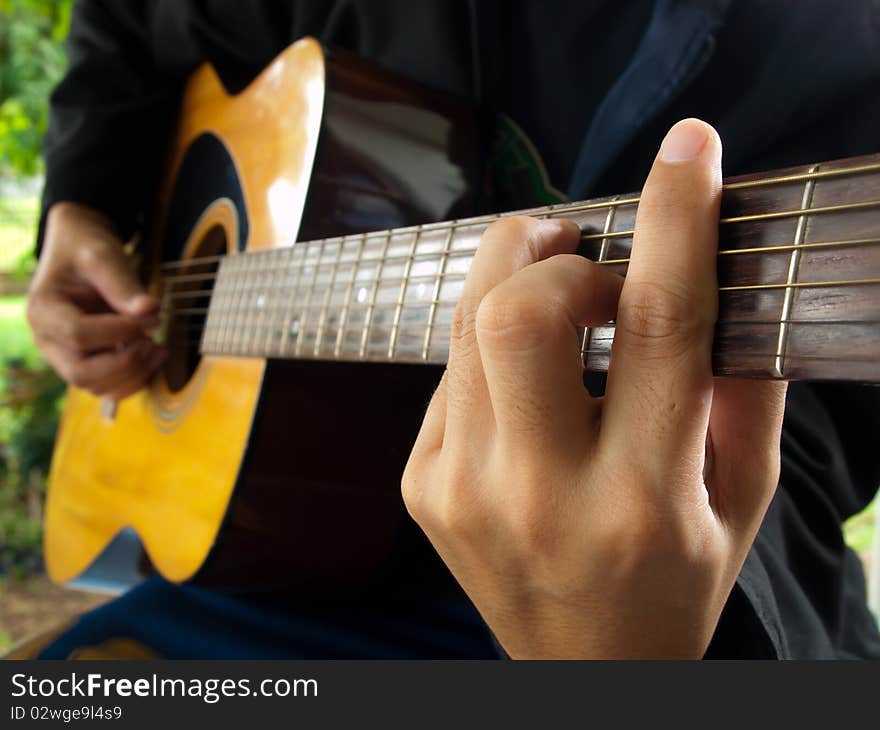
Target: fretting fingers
column 660, row 379
column 506, row 247
column 527, row 333
column 745, row 427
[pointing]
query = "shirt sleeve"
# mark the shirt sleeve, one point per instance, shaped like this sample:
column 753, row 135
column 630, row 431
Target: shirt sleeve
column 110, row 116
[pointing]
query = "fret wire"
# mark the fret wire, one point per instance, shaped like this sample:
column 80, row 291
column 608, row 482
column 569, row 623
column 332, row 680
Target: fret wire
column 435, row 297
column 235, row 305
column 276, row 272
column 262, row 300
column 603, row 254
column 322, row 317
column 218, row 302
column 793, row 265
column 241, row 327
column 204, row 339
column 291, row 295
column 368, row 316
column 239, row 324
column 213, row 326
column 252, row 299
column 238, row 306
column 224, row 283
column 305, row 310
column 346, row 303
column 407, row 265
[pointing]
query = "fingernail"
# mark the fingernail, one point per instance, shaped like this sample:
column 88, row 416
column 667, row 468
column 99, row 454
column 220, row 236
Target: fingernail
column 141, row 302
column 684, row 141
column 561, row 226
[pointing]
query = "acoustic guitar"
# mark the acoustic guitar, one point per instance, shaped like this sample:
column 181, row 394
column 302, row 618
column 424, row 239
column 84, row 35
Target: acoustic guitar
column 310, row 241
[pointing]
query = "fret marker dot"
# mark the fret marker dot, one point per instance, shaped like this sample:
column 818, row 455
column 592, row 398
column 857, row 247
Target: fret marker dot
column 420, row 293
column 294, row 327
column 261, row 301
column 362, row 295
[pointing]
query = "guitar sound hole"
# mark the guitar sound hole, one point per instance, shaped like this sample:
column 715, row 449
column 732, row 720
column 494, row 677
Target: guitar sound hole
column 188, row 293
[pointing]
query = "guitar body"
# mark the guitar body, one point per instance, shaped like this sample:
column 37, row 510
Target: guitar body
column 245, row 472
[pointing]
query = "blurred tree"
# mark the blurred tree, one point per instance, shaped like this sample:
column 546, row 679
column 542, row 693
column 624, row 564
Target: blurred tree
column 32, row 34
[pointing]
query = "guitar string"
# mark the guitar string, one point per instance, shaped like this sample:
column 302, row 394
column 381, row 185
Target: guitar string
column 718, row 323
column 347, row 355
column 564, row 208
column 552, row 212
column 192, row 333
column 408, row 326
column 590, row 236
column 238, row 316
column 721, row 290
column 461, row 253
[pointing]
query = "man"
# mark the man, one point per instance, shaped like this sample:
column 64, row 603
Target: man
column 626, row 528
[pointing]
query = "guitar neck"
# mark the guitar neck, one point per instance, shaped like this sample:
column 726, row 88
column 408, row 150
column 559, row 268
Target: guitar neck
column 798, row 275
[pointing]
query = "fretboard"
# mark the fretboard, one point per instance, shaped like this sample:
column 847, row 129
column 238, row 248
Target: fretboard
column 798, row 274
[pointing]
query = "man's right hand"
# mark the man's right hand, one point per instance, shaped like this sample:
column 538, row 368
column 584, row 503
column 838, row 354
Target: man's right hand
column 89, row 314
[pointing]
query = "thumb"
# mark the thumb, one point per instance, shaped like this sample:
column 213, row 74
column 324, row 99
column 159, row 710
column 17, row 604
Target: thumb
column 745, row 428
column 109, row 271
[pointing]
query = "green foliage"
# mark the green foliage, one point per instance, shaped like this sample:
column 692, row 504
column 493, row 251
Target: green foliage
column 859, row 531
column 28, row 421
column 18, row 218
column 16, row 342
column 30, row 398
column 32, row 61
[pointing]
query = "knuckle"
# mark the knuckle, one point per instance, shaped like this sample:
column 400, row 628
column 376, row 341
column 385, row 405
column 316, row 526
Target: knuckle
column 92, row 252
column 453, row 517
column 463, row 326
column 514, row 231
column 453, row 511
column 75, row 334
column 411, row 489
column 512, row 227
column 30, row 311
column 517, row 321
column 532, row 526
column 86, row 255
column 660, row 313
column 652, row 527
column 76, row 375
column 131, row 359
